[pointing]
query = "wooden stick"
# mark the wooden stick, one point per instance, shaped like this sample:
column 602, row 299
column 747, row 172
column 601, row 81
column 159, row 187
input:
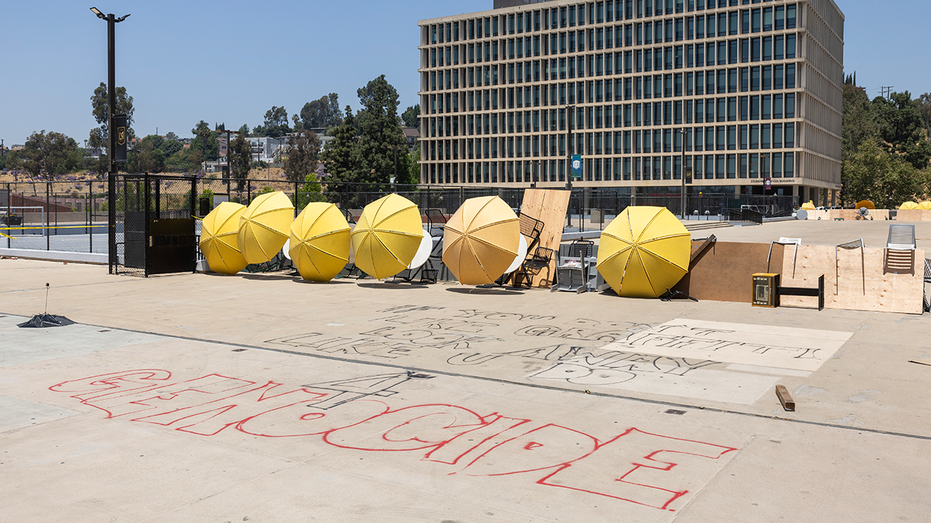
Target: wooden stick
column 785, row 398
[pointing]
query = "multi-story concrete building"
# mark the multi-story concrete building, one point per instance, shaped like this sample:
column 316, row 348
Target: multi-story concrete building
column 733, row 92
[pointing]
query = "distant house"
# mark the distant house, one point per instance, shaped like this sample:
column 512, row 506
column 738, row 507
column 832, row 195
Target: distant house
column 411, row 134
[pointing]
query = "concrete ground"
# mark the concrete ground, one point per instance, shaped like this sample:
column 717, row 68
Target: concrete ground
column 199, row 397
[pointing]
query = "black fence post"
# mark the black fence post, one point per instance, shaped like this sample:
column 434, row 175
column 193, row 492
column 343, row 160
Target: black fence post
column 111, row 222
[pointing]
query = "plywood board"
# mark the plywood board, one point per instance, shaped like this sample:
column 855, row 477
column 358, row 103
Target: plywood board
column 847, row 214
column 913, row 215
column 724, row 271
column 548, row 206
column 885, row 292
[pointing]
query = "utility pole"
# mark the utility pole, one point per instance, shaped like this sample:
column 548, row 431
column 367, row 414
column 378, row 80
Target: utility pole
column 886, row 91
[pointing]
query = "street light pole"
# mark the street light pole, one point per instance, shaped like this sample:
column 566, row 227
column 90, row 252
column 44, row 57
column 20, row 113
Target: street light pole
column 682, row 173
column 111, row 81
column 569, row 110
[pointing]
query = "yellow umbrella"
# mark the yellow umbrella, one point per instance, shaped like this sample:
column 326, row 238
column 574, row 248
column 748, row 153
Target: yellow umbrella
column 481, row 240
column 909, row 205
column 865, row 203
column 387, row 236
column 809, row 205
column 643, row 252
column 263, row 228
column 218, row 238
column 319, row 242
column 925, row 205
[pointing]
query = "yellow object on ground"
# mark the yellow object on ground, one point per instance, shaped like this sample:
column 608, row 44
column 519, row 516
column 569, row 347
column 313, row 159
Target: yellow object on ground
column 909, row 205
column 387, row 236
column 643, row 252
column 865, row 203
column 809, row 205
column 481, row 240
column 219, row 238
column 925, row 205
column 264, row 227
column 319, row 242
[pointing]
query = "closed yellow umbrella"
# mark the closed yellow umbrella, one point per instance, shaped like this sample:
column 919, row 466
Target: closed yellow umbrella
column 925, row 205
column 643, row 252
column 865, row 203
column 909, row 205
column 319, row 242
column 264, row 227
column 481, row 240
column 218, row 238
column 387, row 236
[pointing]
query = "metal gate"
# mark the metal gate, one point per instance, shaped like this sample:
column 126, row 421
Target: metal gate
column 152, row 228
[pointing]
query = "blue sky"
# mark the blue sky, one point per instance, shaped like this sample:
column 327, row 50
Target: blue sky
column 231, row 61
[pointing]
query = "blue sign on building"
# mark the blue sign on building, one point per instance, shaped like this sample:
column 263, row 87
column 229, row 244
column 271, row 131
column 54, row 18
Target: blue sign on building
column 577, row 166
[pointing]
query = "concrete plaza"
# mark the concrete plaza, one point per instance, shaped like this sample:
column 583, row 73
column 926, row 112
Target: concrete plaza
column 199, row 397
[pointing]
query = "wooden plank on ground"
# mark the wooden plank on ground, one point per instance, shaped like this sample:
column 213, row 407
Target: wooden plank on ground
column 785, row 398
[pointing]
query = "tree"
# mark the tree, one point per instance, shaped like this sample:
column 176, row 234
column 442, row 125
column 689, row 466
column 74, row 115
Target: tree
column 924, row 107
column 303, row 156
column 902, row 128
column 411, row 116
column 240, row 160
column 887, row 180
column 205, row 141
column 379, row 132
column 276, row 122
column 337, row 155
column 147, row 156
column 48, row 155
column 322, row 113
column 99, row 136
column 859, row 123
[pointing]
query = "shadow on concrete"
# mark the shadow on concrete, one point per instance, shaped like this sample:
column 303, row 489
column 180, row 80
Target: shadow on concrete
column 496, row 291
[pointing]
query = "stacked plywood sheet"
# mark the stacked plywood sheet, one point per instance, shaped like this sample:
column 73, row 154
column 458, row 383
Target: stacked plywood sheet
column 884, row 291
column 548, row 206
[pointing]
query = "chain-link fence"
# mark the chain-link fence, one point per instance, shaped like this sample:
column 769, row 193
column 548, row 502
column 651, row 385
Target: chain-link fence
column 72, row 215
column 64, row 215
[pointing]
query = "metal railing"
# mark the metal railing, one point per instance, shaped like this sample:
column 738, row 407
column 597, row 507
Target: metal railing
column 76, row 211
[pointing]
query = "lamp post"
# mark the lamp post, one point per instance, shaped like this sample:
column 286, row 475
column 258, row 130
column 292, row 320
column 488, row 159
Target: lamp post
column 111, row 81
column 570, row 111
column 682, row 201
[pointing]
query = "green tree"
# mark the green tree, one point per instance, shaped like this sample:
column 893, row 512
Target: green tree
column 902, row 129
column 48, row 155
column 413, row 166
column 859, row 124
column 303, row 156
column 411, row 116
column 99, row 136
column 147, row 156
column 379, row 131
column 276, row 122
column 924, row 107
column 203, row 135
column 886, row 179
column 240, row 160
column 337, row 155
column 322, row 113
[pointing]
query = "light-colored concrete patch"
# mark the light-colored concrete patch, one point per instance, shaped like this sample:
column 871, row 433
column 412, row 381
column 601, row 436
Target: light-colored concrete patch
column 761, row 345
column 695, row 383
column 19, row 346
column 17, row 413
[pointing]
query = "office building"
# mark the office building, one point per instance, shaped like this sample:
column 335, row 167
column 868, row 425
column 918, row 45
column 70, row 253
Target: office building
column 743, row 95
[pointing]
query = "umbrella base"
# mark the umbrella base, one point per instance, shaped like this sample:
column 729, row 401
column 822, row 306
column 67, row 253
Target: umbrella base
column 41, row 321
